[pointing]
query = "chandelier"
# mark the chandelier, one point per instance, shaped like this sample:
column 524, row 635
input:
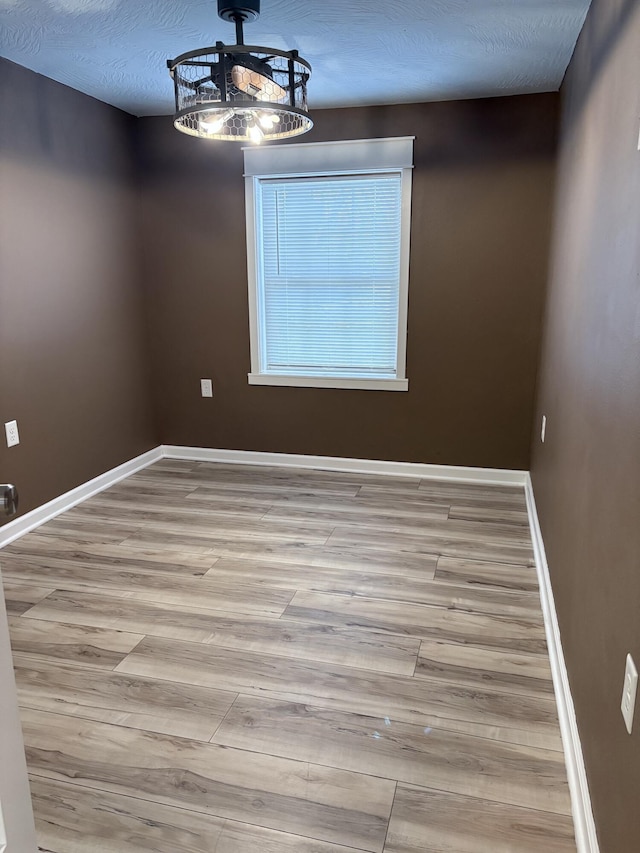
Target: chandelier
column 239, row 92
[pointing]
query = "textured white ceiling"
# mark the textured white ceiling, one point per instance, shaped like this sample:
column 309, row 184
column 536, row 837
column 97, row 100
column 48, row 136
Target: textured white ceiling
column 362, row 51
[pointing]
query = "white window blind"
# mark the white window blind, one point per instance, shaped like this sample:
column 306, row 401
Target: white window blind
column 328, row 245
column 328, row 269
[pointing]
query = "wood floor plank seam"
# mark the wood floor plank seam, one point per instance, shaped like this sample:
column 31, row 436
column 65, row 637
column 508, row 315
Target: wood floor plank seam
column 386, row 835
column 137, row 644
column 529, row 597
column 370, row 824
column 33, row 707
column 129, row 701
column 461, row 550
column 382, row 776
column 225, row 717
column 359, row 611
column 531, row 594
column 442, row 821
column 435, row 606
column 316, row 642
column 174, row 662
column 386, row 749
column 415, row 666
column 533, row 809
column 446, row 724
column 73, row 785
column 494, row 559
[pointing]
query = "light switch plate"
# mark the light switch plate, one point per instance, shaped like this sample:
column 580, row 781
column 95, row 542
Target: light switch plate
column 11, row 431
column 206, row 387
column 629, row 692
column 543, row 430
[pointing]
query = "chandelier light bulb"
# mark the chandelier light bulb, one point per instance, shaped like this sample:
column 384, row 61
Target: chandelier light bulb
column 256, row 135
column 214, row 122
column 268, row 120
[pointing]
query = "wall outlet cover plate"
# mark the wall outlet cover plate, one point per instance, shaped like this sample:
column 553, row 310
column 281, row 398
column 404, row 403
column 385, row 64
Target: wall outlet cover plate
column 11, row 431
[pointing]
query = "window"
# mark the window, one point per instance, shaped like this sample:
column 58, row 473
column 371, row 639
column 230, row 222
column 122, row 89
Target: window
column 328, row 251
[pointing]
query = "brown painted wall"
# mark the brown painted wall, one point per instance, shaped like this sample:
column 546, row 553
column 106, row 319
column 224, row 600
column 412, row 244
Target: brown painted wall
column 72, row 364
column 481, row 219
column 587, row 474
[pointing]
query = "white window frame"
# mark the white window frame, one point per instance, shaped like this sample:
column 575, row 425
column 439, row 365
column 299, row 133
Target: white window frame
column 320, row 159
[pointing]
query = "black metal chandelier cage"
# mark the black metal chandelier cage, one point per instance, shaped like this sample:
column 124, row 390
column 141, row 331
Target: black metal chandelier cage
column 240, row 92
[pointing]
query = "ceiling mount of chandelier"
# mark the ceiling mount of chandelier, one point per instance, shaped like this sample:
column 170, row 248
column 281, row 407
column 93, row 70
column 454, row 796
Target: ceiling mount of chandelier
column 240, row 92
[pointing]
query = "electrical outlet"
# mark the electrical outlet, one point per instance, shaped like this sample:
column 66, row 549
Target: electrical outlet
column 11, row 430
column 629, row 692
column 543, row 431
column 206, row 387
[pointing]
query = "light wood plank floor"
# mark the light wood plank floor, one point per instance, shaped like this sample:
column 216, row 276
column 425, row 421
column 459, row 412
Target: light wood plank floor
column 228, row 659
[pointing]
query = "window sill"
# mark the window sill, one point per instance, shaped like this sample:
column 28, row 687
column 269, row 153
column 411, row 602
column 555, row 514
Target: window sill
column 329, row 382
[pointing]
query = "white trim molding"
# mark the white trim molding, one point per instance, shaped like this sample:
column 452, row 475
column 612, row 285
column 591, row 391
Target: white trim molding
column 584, row 824
column 451, row 473
column 328, row 382
column 342, row 155
column 29, row 521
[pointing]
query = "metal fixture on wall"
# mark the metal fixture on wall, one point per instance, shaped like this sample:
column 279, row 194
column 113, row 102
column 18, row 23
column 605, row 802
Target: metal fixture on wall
column 9, row 495
column 239, row 92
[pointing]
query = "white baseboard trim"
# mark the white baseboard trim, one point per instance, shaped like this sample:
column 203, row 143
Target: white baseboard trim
column 29, row 521
column 584, row 824
column 452, row 473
